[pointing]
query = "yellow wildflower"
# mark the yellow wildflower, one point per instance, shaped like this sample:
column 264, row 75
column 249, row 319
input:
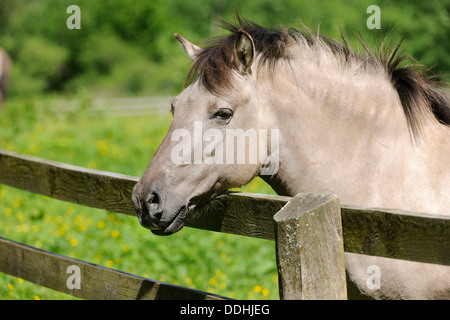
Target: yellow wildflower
column 115, row 233
column 257, row 288
column 73, row 242
column 213, row 281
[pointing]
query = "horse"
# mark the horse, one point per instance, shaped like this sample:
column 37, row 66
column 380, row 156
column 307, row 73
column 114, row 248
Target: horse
column 5, row 65
column 368, row 126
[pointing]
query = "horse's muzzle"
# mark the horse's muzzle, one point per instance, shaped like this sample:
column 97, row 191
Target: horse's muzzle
column 149, row 208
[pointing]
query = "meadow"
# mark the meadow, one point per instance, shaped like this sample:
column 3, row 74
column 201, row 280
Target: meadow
column 228, row 265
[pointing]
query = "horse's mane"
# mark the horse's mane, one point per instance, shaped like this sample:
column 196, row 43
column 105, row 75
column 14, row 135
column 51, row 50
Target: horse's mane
column 417, row 92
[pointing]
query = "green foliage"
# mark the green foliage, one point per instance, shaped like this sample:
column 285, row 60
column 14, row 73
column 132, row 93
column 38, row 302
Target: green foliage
column 125, row 47
column 39, row 66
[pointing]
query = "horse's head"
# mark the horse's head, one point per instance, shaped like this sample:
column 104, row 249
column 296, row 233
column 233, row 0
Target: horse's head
column 218, row 138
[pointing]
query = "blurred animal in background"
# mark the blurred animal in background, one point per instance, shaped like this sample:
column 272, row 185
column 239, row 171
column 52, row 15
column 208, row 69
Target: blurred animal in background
column 5, row 65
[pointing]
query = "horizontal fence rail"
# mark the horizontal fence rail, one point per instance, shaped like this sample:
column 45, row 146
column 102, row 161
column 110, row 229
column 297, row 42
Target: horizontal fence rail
column 96, row 282
column 379, row 232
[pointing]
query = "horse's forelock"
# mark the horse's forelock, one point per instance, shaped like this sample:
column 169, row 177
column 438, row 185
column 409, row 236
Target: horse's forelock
column 214, row 65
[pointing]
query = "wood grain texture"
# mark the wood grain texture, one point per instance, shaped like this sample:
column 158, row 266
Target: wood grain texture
column 237, row 213
column 94, row 188
column 397, row 234
column 97, row 282
column 310, row 250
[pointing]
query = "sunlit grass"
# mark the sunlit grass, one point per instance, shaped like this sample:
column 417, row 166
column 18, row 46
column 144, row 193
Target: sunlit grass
column 228, row 265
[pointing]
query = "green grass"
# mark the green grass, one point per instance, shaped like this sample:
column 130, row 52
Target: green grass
column 229, row 265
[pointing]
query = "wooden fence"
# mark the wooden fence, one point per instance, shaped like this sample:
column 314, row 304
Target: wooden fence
column 311, row 233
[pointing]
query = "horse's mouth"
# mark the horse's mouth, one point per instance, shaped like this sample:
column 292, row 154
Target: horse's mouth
column 195, row 205
column 177, row 222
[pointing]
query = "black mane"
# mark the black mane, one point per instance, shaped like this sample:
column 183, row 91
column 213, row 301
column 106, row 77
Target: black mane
column 214, row 64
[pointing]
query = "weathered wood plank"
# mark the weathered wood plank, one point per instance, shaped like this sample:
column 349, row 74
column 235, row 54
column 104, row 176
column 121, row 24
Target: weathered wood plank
column 94, row 188
column 397, row 234
column 237, row 213
column 310, row 249
column 97, row 283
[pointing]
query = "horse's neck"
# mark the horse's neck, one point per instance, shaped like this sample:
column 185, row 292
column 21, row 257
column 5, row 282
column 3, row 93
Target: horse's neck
column 340, row 133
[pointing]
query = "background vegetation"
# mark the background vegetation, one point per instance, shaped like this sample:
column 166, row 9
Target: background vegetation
column 126, row 48
column 90, row 138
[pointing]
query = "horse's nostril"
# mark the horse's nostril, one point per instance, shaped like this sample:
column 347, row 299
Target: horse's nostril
column 153, row 204
column 153, row 198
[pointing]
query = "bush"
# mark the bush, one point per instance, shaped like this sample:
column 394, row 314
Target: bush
column 38, row 67
column 117, row 35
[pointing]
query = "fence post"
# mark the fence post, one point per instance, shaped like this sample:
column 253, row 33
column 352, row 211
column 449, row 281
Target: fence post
column 310, row 249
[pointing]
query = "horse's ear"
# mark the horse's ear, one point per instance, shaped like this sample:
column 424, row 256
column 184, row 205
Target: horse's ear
column 191, row 49
column 244, row 50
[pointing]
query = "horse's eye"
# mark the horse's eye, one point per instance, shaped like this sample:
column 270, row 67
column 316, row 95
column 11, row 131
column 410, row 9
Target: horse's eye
column 223, row 114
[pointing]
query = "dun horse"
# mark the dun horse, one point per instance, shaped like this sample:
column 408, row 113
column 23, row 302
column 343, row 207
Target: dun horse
column 5, row 64
column 363, row 126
